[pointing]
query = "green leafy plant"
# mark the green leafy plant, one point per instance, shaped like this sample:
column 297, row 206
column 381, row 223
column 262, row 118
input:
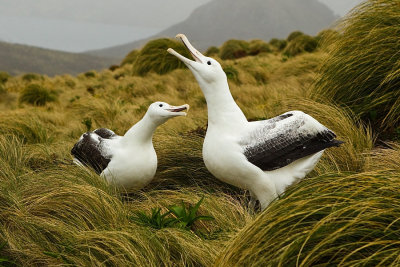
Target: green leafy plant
column 155, row 219
column 183, row 217
column 187, row 216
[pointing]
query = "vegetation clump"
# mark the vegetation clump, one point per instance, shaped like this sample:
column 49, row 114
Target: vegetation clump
column 327, row 37
column 4, row 76
column 183, row 217
column 294, row 35
column 232, row 73
column 362, row 68
column 28, row 77
column 37, row 95
column 212, row 51
column 153, row 57
column 335, row 220
column 130, row 58
column 258, row 46
column 278, row 44
column 2, row 89
column 300, row 44
column 90, row 74
column 234, row 49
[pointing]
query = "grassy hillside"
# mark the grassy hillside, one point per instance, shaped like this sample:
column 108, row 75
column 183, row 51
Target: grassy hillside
column 17, row 59
column 217, row 21
column 54, row 213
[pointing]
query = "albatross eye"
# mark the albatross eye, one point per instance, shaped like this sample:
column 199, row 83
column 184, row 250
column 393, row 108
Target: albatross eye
column 208, row 62
column 161, row 105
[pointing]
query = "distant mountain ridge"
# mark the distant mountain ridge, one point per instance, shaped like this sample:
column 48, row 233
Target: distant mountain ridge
column 219, row 20
column 17, row 59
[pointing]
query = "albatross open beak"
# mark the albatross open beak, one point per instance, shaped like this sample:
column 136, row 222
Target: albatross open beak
column 178, row 110
column 198, row 57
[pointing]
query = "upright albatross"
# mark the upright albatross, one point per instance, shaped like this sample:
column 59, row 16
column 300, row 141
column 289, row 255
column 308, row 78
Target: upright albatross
column 128, row 161
column 263, row 156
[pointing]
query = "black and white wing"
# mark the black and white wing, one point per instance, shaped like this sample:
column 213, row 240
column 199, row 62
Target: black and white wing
column 93, row 149
column 277, row 142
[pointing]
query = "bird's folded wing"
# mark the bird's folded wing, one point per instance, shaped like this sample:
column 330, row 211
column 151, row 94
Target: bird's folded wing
column 93, row 151
column 277, row 142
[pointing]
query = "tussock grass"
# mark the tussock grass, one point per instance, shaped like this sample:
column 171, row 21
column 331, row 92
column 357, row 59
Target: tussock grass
column 130, row 58
column 258, row 46
column 299, row 44
column 37, row 95
column 294, row 35
column 362, row 68
column 212, row 51
column 385, row 158
column 346, row 220
column 4, row 76
column 278, row 44
column 154, row 57
column 77, row 218
column 233, row 49
column 55, row 213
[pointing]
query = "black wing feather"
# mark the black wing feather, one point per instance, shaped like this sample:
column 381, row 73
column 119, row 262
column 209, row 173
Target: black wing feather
column 88, row 151
column 288, row 146
column 105, row 133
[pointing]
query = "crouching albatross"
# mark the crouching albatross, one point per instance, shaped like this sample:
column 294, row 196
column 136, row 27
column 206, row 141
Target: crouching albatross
column 128, row 161
column 264, row 157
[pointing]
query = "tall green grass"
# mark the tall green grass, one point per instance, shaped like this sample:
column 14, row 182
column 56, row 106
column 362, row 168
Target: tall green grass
column 362, row 68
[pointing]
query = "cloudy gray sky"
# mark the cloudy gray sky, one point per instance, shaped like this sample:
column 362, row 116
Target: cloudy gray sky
column 80, row 25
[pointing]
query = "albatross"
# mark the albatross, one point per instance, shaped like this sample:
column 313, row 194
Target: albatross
column 264, row 157
column 128, row 161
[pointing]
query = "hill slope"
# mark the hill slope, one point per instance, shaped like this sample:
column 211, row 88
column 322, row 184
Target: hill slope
column 220, row 20
column 16, row 59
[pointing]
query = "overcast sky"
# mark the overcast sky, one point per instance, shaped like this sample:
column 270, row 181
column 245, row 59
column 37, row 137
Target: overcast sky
column 80, row 25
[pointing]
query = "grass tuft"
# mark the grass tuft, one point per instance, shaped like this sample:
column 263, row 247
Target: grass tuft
column 300, row 44
column 362, row 68
column 233, row 49
column 153, row 57
column 130, row 58
column 335, row 220
column 37, row 95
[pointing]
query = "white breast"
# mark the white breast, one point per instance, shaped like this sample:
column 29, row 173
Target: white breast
column 132, row 168
column 223, row 157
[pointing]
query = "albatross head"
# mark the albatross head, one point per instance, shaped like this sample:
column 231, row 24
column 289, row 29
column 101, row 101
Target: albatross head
column 205, row 69
column 161, row 111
